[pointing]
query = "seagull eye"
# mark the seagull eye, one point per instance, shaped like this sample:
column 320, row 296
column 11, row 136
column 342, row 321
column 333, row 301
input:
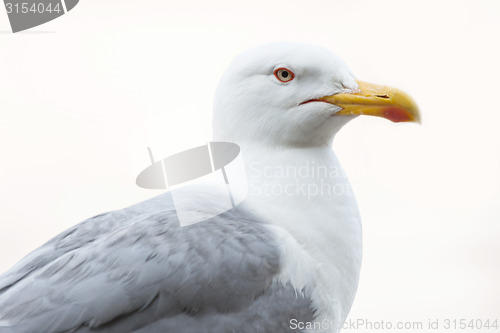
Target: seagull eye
column 284, row 75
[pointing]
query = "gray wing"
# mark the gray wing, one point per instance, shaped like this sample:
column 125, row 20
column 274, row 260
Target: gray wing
column 137, row 270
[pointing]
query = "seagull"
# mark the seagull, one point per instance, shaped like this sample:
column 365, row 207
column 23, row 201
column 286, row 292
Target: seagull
column 286, row 259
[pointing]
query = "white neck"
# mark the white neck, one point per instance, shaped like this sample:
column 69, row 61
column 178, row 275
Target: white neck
column 306, row 194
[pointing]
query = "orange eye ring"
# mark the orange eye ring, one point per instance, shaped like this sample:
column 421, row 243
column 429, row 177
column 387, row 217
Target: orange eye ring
column 284, row 74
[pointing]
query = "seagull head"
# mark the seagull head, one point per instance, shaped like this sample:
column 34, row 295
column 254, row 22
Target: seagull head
column 295, row 94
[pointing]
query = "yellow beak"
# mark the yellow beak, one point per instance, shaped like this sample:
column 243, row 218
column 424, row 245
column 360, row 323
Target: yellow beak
column 375, row 100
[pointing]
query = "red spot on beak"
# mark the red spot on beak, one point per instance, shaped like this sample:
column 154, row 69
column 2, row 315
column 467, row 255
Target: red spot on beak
column 397, row 115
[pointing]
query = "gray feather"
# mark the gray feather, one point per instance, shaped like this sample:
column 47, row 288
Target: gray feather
column 137, row 269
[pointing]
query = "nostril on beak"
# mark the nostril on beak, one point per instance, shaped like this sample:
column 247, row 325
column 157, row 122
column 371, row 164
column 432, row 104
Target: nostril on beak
column 382, row 96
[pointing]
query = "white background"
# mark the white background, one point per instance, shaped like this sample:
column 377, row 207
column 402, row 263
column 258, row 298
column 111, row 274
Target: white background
column 75, row 93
